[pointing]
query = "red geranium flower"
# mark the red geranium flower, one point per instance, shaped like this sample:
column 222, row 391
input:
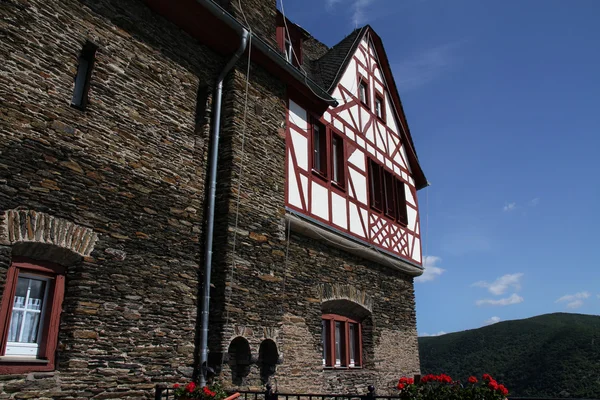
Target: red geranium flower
column 493, row 384
column 400, row 386
column 472, row 379
column 487, row 377
column 411, row 381
column 176, row 386
column 502, row 389
column 190, row 387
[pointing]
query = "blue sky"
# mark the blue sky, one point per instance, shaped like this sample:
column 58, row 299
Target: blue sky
column 502, row 100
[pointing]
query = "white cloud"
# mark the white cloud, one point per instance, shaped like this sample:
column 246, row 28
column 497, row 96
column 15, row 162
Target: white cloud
column 433, row 334
column 512, row 299
column 358, row 9
column 425, row 66
column 534, row 202
column 508, row 207
column 502, row 284
column 431, row 271
column 574, row 300
column 492, row 320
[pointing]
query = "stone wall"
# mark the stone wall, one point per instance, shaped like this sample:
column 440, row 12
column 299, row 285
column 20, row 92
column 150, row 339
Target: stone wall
column 130, row 168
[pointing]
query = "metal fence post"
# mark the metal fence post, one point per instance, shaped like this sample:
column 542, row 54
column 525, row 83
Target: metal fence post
column 160, row 388
column 371, row 392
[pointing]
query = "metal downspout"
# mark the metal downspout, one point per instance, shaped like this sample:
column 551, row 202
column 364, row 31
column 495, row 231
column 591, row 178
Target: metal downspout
column 210, row 218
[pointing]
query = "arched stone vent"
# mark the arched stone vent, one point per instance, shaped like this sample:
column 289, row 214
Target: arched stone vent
column 18, row 226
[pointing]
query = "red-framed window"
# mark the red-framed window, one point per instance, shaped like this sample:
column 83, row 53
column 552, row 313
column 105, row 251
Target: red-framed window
column 30, row 316
column 363, row 91
column 379, row 106
column 319, row 148
column 328, row 154
column 290, row 43
column 387, row 193
column 342, row 341
column 338, row 175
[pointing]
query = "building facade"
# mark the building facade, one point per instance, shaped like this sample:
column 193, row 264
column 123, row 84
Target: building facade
column 106, row 115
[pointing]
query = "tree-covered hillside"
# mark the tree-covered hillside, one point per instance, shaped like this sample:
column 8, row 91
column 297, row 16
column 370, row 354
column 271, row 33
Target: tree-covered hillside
column 552, row 355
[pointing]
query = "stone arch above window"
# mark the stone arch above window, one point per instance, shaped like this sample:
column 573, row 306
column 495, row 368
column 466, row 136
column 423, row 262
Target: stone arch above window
column 38, row 235
column 337, row 297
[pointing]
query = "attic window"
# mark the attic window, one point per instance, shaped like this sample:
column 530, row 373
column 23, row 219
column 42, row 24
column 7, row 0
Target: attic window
column 288, row 50
column 379, row 107
column 84, row 74
column 363, row 92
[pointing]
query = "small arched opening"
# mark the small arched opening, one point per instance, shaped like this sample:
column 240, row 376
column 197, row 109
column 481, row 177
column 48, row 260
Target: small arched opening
column 267, row 359
column 240, row 358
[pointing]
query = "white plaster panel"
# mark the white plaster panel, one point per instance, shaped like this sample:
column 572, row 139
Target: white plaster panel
column 409, row 196
column 304, row 183
column 377, row 85
column 411, row 181
column 399, row 159
column 355, row 225
column 361, row 70
column 320, row 201
column 338, row 211
column 338, row 124
column 298, row 116
column 416, row 255
column 300, row 149
column 412, row 217
column 345, row 115
column 397, row 170
column 364, row 114
column 370, row 133
column 403, row 151
column 348, row 80
column 410, row 239
column 357, row 158
column 391, row 115
column 293, row 194
column 388, row 163
column 378, row 74
column 360, row 141
column 338, row 96
column 370, row 149
column 380, row 157
column 354, row 110
column 405, row 176
column 327, row 116
column 365, row 215
column 359, row 182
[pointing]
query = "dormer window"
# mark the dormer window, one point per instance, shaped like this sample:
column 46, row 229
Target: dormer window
column 288, row 50
column 363, row 90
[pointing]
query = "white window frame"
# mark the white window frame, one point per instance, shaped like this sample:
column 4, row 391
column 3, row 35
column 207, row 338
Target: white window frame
column 12, row 348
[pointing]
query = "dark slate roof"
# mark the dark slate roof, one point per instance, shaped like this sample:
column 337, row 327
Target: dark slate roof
column 327, row 69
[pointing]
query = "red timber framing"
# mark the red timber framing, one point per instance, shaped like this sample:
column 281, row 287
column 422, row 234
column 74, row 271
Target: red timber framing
column 45, row 360
column 367, row 140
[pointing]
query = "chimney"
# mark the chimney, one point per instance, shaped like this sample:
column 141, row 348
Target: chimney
column 259, row 14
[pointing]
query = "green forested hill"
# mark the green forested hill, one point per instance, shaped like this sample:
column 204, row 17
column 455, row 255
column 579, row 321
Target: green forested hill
column 552, row 355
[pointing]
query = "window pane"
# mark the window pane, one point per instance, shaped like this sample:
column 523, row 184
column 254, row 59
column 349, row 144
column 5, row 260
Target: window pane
column 30, row 328
column 338, row 343
column 375, row 184
column 388, row 192
column 36, row 294
column 363, row 92
column 15, row 326
column 402, row 214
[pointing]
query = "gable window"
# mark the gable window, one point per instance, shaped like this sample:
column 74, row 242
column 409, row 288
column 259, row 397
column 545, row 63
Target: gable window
column 379, row 107
column 337, row 160
column 387, row 193
column 83, row 77
column 342, row 341
column 29, row 316
column 363, row 90
column 319, row 148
